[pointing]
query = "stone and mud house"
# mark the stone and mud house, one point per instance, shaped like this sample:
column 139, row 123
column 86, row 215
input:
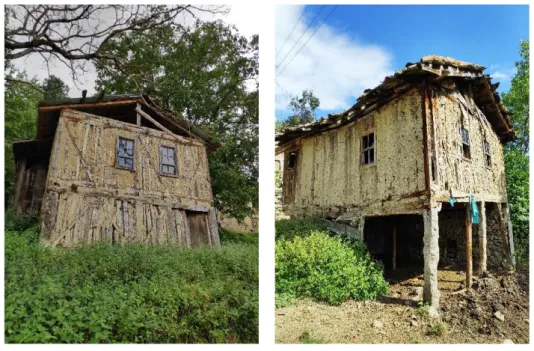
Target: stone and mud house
column 407, row 168
column 116, row 169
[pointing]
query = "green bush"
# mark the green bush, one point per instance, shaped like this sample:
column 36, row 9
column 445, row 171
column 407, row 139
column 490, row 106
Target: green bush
column 16, row 222
column 228, row 236
column 291, row 228
column 326, row 268
column 129, row 294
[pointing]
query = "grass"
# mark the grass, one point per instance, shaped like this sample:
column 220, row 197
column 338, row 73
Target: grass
column 227, row 236
column 305, row 338
column 129, row 293
column 436, row 329
column 422, row 310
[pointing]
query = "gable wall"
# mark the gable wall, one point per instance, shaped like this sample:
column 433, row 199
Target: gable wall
column 88, row 199
column 455, row 173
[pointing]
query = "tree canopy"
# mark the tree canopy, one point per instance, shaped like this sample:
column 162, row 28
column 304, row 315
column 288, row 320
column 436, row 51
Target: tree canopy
column 54, row 88
column 303, row 110
column 516, row 155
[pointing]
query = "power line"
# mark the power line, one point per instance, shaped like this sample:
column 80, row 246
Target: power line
column 292, row 30
column 305, row 30
column 306, row 42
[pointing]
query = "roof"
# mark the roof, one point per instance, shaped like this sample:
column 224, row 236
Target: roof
column 175, row 122
column 432, row 70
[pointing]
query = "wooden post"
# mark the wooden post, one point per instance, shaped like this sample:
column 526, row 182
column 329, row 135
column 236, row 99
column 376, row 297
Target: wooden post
column 394, row 258
column 482, row 239
column 468, row 248
column 138, row 115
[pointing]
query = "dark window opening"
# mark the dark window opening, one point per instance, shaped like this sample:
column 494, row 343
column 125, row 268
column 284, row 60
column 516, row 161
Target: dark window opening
column 125, row 153
column 487, row 155
column 466, row 150
column 292, row 160
column 368, row 149
column 167, row 160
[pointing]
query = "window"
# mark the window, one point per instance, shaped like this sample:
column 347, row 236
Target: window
column 368, row 149
column 167, row 160
column 487, row 155
column 465, row 144
column 125, row 153
column 292, row 160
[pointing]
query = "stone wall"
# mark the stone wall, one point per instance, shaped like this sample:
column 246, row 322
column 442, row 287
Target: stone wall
column 452, row 239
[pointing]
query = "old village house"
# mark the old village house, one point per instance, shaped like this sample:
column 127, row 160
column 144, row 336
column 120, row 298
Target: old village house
column 408, row 167
column 116, row 169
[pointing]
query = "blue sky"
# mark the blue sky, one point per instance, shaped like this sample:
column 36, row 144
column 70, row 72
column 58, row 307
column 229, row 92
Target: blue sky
column 358, row 45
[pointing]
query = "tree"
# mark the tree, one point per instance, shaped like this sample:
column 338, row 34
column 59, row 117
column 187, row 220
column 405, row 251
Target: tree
column 517, row 101
column 207, row 73
column 303, row 110
column 76, row 34
column 20, row 121
column 516, row 156
column 54, row 88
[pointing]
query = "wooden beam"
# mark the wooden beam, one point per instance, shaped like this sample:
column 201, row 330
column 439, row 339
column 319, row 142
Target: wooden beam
column 153, row 121
column 394, row 258
column 468, row 248
column 138, row 115
column 88, row 105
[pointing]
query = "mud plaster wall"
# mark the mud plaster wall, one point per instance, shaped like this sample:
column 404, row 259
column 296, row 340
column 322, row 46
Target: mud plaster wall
column 331, row 179
column 454, row 172
column 88, row 199
column 452, row 239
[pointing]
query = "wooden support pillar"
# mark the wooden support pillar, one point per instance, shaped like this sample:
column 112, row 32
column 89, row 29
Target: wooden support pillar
column 431, row 255
column 394, row 256
column 482, row 240
column 504, row 229
column 138, row 115
column 468, row 247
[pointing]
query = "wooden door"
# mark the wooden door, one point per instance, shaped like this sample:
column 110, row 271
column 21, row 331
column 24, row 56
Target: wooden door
column 198, row 228
column 290, row 176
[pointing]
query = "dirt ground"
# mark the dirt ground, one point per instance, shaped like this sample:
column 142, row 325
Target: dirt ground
column 468, row 316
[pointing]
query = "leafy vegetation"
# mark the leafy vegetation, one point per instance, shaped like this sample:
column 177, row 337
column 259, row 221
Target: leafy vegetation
column 20, row 120
column 516, row 158
column 130, row 293
column 288, row 229
column 323, row 267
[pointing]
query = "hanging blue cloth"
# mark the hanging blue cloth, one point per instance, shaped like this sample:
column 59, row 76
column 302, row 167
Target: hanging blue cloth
column 474, row 210
column 452, row 201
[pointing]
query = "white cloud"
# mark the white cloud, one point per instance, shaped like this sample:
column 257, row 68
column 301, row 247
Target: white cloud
column 241, row 15
column 500, row 75
column 335, row 65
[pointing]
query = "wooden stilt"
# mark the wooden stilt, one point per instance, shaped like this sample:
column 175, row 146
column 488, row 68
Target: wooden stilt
column 482, row 240
column 468, row 248
column 394, row 258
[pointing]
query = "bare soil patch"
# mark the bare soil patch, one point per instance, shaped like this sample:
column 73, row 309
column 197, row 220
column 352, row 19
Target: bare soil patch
column 495, row 309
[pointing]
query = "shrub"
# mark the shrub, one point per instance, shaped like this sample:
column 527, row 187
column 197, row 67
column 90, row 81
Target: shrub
column 129, row 294
column 16, row 222
column 327, row 269
column 290, row 228
column 228, row 236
